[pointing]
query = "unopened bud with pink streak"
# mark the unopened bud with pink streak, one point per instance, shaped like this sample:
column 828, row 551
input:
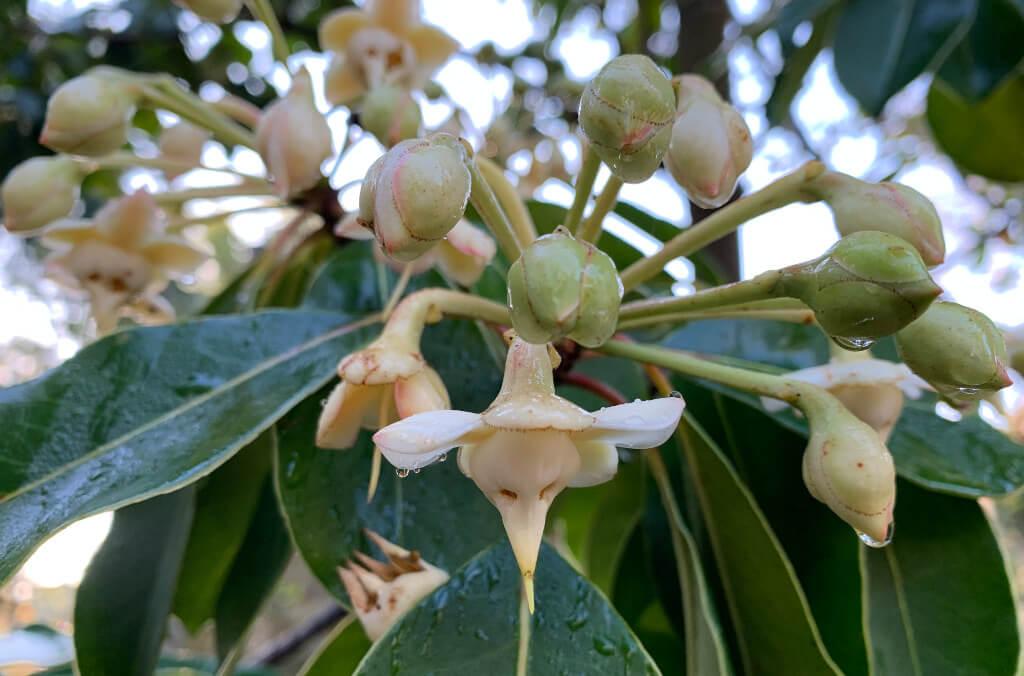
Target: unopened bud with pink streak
column 40, row 191
column 710, row 146
column 886, row 207
column 293, row 138
column 90, row 114
column 390, row 113
column 183, row 143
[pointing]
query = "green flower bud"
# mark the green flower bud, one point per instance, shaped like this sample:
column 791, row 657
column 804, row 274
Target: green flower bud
column 867, row 286
column 626, row 111
column 959, row 351
column 90, row 114
column 710, row 144
column 390, row 114
column 216, row 11
column 564, row 287
column 39, row 191
column 848, row 467
column 886, row 207
column 415, row 194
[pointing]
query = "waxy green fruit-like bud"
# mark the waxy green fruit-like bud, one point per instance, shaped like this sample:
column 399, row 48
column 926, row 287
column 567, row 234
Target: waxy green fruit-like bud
column 564, row 287
column 710, row 144
column 626, row 111
column 90, row 114
column 415, row 194
column 390, row 114
column 886, row 207
column 867, row 286
column 39, row 191
column 215, row 11
column 959, row 351
column 848, row 467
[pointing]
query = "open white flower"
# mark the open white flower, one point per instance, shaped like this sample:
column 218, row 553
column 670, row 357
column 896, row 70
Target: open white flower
column 382, row 592
column 529, row 445
column 872, row 389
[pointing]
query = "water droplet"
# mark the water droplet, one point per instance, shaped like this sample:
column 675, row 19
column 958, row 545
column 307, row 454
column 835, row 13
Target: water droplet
column 872, row 542
column 853, row 344
column 481, row 634
column 323, row 402
column 416, row 471
column 675, row 394
column 604, row 646
column 402, row 472
column 441, row 458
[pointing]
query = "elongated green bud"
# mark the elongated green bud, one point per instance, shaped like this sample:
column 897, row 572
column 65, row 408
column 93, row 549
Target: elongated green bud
column 626, row 111
column 90, row 114
column 415, row 194
column 848, row 467
column 886, row 207
column 390, row 114
column 867, row 286
column 959, row 351
column 564, row 287
column 39, row 191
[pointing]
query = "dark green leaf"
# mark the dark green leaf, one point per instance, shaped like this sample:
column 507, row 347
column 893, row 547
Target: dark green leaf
column 125, row 597
column 472, row 626
column 774, row 627
column 146, row 411
column 438, row 511
column 938, row 600
column 957, row 125
column 881, row 46
column 787, row 346
column 260, row 562
column 341, row 651
column 350, row 281
column 225, row 503
column 992, row 49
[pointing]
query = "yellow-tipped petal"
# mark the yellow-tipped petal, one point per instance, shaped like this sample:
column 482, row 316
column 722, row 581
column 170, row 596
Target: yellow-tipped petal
column 432, row 46
column 70, row 231
column 338, row 27
column 343, row 84
column 397, row 16
column 343, row 414
column 528, row 591
column 130, row 220
column 173, row 255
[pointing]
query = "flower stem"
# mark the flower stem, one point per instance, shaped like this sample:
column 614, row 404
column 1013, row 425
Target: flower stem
column 396, row 294
column 486, row 204
column 786, row 190
column 776, row 309
column 128, row 160
column 177, row 224
column 429, row 305
column 165, row 93
column 590, row 230
column 510, row 201
column 262, row 11
column 759, row 288
column 239, row 189
column 584, row 186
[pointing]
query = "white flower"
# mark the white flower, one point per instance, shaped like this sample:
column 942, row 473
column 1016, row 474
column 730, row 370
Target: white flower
column 872, row 389
column 381, row 593
column 529, row 445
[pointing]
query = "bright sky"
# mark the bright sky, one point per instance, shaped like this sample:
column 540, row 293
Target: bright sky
column 799, row 232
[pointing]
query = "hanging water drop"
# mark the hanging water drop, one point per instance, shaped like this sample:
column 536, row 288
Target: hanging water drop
column 872, row 542
column 402, row 472
column 853, row 344
column 416, row 471
column 675, row 394
column 441, row 458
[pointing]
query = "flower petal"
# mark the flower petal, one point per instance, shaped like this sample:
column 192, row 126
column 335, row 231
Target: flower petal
column 421, row 392
column 397, row 16
column 598, row 463
column 641, row 424
column 173, row 255
column 69, row 231
column 860, row 372
column 343, row 84
column 338, row 27
column 342, row 414
column 419, row 440
column 432, row 46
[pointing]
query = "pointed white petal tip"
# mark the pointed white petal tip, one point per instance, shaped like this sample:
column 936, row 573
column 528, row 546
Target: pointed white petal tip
column 418, row 441
column 641, row 424
column 860, row 372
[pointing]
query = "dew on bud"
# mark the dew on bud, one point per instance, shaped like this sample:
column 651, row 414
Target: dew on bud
column 872, row 542
column 675, row 394
column 402, row 472
column 853, row 344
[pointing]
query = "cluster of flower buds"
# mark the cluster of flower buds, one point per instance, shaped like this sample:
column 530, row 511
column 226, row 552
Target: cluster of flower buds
column 897, row 209
column 626, row 111
column 183, row 143
column 90, row 114
column 710, row 144
column 382, row 592
column 871, row 389
column 39, row 191
column 293, row 138
column 957, row 350
column 848, row 467
column 415, row 194
column 867, row 286
column 122, row 257
column 462, row 256
column 562, row 287
column 216, row 11
column 529, row 445
column 385, row 43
